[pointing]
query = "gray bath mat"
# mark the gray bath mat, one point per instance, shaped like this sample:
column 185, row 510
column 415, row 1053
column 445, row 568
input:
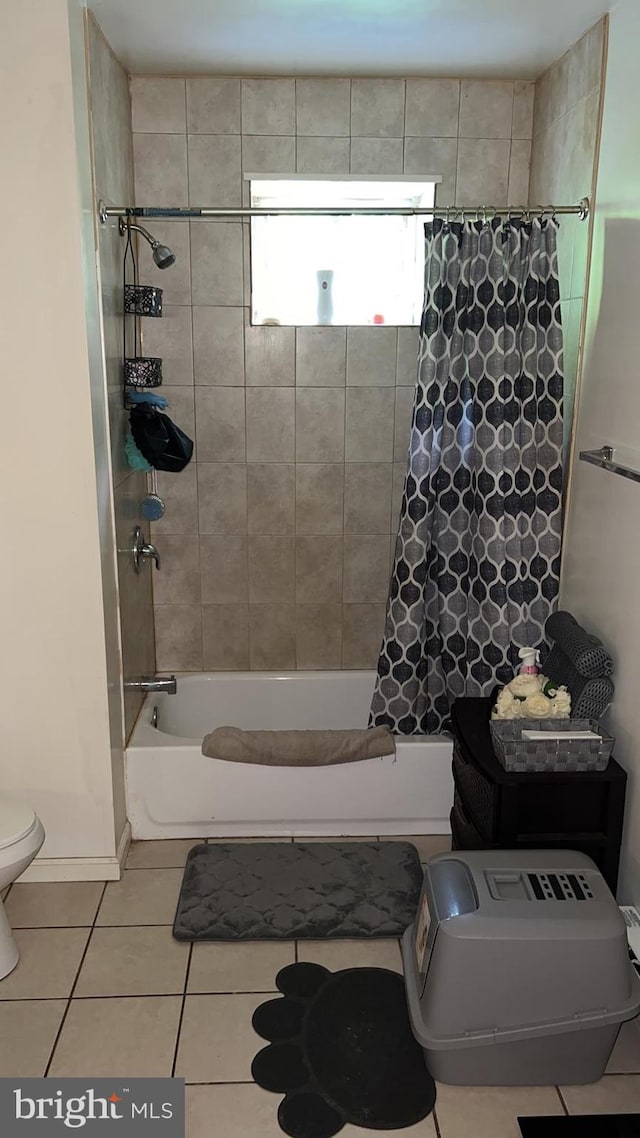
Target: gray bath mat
column 286, row 891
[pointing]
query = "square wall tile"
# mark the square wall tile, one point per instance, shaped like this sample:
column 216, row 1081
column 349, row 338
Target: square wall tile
column 225, row 638
column 216, row 263
column 271, row 569
column 178, row 638
column 319, row 425
column 486, row 108
column 371, row 357
column 214, row 169
column 518, row 189
column 179, row 581
column 407, row 358
column 224, row 569
column 367, row 497
column 434, row 156
column 380, row 156
column 323, row 107
column 366, row 569
column 377, row 108
column 432, row 107
column 217, row 1041
column 320, row 357
column 157, row 105
column 220, row 425
column 483, row 171
column 318, row 636
column 218, row 346
column 270, row 424
column 176, row 281
column 271, row 497
column 213, row 106
column 222, row 497
column 268, row 154
column 53, row 904
column 522, row 122
column 160, row 164
column 369, row 424
column 269, row 356
column 170, row 338
column 180, row 496
column 28, row 1030
column 318, row 569
column 399, row 475
column 49, row 961
column 319, row 497
column 585, row 64
column 405, row 397
column 324, row 157
column 244, row 966
column 272, row 637
column 268, row 106
column 362, row 630
column 137, row 1035
column 141, row 897
column 133, row 961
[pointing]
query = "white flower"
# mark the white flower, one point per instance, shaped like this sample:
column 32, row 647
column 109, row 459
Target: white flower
column 561, row 703
column 524, row 685
column 506, row 706
column 538, row 707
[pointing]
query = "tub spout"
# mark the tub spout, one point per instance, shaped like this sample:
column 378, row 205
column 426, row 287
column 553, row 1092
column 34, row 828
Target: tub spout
column 167, row 684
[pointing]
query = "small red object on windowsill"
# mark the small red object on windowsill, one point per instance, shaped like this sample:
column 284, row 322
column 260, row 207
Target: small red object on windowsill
column 378, row 318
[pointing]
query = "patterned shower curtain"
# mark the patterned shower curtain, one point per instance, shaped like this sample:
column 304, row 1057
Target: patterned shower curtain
column 478, row 549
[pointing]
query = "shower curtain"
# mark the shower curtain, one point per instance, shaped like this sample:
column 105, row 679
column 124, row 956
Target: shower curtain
column 478, row 549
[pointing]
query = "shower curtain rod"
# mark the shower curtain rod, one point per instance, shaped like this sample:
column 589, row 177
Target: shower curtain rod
column 177, row 213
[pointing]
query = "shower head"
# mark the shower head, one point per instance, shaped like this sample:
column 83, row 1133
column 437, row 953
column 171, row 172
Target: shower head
column 163, row 256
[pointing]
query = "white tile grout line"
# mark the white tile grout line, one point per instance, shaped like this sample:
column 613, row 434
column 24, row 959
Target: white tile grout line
column 75, row 982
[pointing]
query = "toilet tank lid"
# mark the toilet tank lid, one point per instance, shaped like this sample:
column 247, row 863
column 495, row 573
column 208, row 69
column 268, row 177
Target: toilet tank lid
column 16, row 819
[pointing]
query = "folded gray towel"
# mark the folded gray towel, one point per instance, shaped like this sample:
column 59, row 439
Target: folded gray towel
column 298, row 748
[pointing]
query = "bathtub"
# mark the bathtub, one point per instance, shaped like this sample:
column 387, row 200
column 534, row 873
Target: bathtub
column 173, row 791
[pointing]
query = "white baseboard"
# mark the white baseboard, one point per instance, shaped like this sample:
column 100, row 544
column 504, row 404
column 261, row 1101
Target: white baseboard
column 81, row 868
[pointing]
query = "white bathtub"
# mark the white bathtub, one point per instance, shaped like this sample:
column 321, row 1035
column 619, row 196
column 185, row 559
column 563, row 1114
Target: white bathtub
column 173, row 791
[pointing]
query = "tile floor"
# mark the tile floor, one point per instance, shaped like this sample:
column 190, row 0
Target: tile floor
column 103, row 989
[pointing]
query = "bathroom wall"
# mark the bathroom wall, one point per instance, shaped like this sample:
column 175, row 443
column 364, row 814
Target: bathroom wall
column 563, row 170
column 602, row 545
column 54, row 729
column 276, row 541
column 113, row 180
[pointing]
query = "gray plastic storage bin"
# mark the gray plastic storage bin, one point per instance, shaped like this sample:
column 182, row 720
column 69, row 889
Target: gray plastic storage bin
column 517, row 968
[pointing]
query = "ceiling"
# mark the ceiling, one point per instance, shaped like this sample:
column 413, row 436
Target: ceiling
column 511, row 38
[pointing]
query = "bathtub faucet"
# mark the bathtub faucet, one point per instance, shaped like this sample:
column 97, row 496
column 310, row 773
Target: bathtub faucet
column 167, row 684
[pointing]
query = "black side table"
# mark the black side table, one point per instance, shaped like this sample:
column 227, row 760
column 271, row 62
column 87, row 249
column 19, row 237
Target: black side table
column 496, row 809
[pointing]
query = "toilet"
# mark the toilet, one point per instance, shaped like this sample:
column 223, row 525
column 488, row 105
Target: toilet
column 21, row 835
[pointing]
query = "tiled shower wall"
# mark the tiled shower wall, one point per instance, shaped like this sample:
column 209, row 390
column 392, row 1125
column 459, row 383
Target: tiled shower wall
column 563, row 169
column 276, row 541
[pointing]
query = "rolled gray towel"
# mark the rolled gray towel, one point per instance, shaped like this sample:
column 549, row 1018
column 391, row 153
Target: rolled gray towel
column 298, row 748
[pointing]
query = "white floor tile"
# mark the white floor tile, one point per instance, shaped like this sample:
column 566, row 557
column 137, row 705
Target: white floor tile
column 337, row 954
column 625, row 1058
column 53, row 904
column 240, row 1111
column 141, row 897
column 49, row 961
column 133, row 961
column 615, row 1094
column 246, row 966
column 28, row 1029
column 491, row 1112
column 170, row 854
column 132, row 1037
column 217, row 1041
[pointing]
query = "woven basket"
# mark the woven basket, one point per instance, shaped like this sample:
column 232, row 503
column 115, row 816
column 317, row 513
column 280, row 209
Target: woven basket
column 535, row 755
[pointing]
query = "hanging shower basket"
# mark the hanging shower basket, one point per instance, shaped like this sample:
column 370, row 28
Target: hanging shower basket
column 142, row 300
column 143, row 371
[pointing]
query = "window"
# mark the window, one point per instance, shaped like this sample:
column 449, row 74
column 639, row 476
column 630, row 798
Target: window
column 338, row 270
